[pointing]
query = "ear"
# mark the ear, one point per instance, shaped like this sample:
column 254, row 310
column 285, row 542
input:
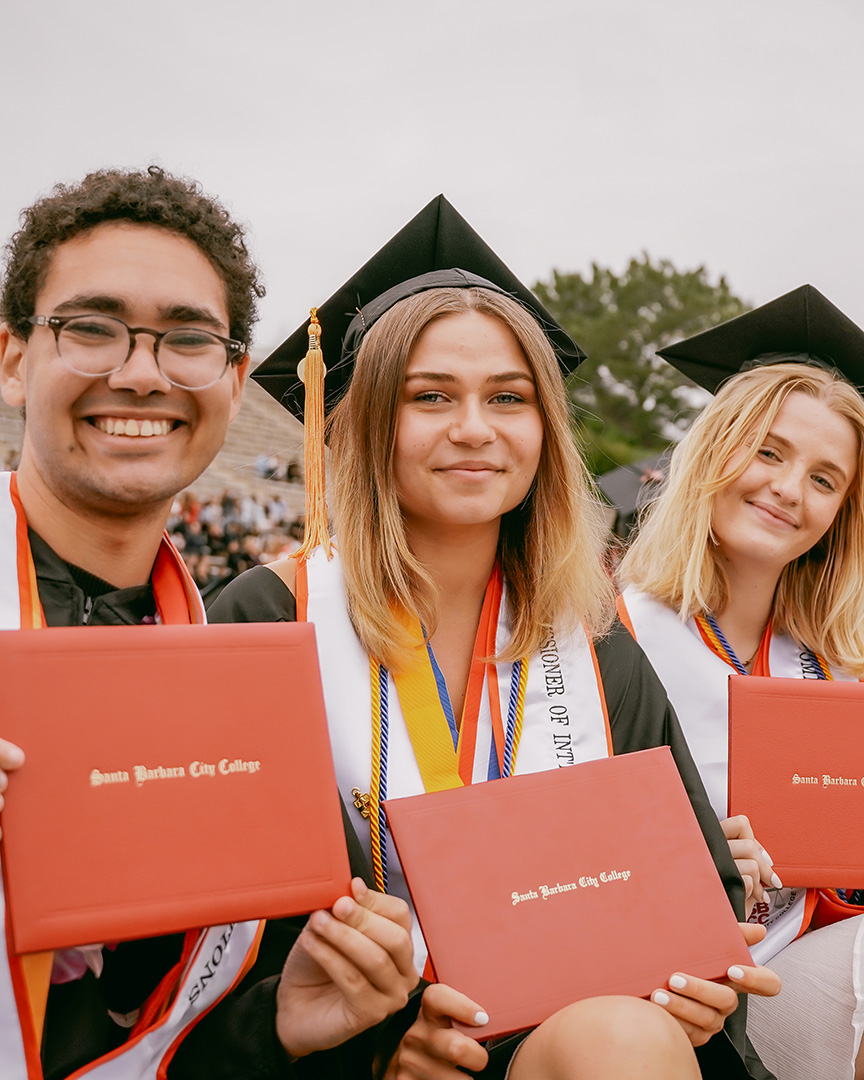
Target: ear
column 12, row 356
column 238, row 375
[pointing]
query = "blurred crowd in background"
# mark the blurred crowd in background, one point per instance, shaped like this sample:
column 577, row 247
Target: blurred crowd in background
column 222, row 535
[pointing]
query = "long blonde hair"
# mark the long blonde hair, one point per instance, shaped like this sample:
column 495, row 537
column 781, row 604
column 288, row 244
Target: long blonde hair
column 819, row 600
column 550, row 547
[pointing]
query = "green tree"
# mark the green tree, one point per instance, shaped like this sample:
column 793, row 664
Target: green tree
column 631, row 402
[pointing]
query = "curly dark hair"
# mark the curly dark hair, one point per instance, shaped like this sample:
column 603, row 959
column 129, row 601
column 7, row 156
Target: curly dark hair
column 152, row 197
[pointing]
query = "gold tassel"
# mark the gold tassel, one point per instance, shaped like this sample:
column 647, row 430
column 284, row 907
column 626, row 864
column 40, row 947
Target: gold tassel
column 311, row 373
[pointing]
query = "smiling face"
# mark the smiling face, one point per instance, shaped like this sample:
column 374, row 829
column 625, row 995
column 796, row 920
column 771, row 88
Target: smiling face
column 790, row 493
column 469, row 431
column 131, row 440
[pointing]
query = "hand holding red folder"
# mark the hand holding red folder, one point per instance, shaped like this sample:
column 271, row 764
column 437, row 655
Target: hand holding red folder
column 11, row 757
column 432, row 1043
column 688, row 1003
column 753, row 861
column 700, row 1008
column 350, row 968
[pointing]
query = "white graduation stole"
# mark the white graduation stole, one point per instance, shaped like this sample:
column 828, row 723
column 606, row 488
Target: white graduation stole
column 220, row 956
column 564, row 722
column 696, row 681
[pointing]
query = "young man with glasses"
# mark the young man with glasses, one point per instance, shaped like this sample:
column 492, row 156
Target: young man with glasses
column 127, row 303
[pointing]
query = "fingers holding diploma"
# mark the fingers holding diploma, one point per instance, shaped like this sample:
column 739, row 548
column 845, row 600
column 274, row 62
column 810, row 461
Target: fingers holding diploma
column 701, row 1006
column 11, row 757
column 752, row 979
column 431, row 1049
column 350, row 968
column 754, row 863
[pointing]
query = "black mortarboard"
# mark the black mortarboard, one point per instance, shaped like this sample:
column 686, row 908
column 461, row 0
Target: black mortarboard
column 436, row 248
column 802, row 324
column 626, row 486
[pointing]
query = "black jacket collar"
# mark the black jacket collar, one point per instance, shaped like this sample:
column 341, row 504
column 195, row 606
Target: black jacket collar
column 72, row 597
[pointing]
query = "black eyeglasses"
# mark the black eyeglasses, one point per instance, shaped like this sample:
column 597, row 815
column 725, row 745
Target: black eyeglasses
column 99, row 345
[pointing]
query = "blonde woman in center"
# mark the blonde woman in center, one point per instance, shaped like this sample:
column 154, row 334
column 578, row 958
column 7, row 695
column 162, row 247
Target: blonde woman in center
column 466, row 527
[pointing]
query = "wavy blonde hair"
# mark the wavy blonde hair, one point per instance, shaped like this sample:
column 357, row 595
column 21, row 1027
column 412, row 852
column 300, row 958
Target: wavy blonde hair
column 819, row 599
column 550, row 547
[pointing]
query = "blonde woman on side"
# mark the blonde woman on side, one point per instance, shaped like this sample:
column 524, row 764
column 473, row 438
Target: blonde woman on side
column 751, row 561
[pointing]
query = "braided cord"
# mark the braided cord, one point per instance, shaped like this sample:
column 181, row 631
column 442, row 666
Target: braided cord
column 378, row 786
column 713, row 631
column 515, row 714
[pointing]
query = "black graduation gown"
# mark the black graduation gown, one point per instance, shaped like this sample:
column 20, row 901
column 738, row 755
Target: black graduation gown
column 640, row 717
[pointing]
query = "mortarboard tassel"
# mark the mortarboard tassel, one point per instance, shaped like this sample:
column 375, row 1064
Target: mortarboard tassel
column 311, row 373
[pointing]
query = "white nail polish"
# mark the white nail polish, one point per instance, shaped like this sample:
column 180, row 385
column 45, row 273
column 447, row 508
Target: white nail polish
column 776, row 882
column 736, row 973
column 659, row 998
column 767, row 856
column 677, row 982
column 481, row 1019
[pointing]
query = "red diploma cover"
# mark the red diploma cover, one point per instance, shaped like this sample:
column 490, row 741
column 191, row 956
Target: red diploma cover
column 176, row 777
column 796, row 769
column 539, row 890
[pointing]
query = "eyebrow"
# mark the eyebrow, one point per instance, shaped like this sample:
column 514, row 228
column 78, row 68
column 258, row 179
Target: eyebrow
column 444, row 377
column 115, row 305
column 825, row 464
column 108, row 305
column 188, row 313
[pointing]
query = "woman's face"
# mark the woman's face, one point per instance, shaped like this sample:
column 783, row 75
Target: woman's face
column 789, row 494
column 469, row 431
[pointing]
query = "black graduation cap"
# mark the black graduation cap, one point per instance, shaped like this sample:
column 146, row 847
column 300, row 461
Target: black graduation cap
column 629, row 486
column 437, row 248
column 800, row 326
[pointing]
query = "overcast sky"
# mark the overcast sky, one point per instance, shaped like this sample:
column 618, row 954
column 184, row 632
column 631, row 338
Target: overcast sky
column 566, row 131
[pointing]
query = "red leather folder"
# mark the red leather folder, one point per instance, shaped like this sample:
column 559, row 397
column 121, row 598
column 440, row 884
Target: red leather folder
column 175, row 777
column 796, row 769
column 539, row 890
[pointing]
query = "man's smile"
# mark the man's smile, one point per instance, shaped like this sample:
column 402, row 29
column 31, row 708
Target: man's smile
column 116, row 425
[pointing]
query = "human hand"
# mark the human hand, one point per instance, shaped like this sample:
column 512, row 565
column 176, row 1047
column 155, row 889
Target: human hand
column 432, row 1049
column 701, row 1006
column 11, row 757
column 754, row 863
column 350, row 968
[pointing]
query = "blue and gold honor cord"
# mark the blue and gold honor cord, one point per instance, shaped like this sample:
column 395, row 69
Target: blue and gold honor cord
column 370, row 806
